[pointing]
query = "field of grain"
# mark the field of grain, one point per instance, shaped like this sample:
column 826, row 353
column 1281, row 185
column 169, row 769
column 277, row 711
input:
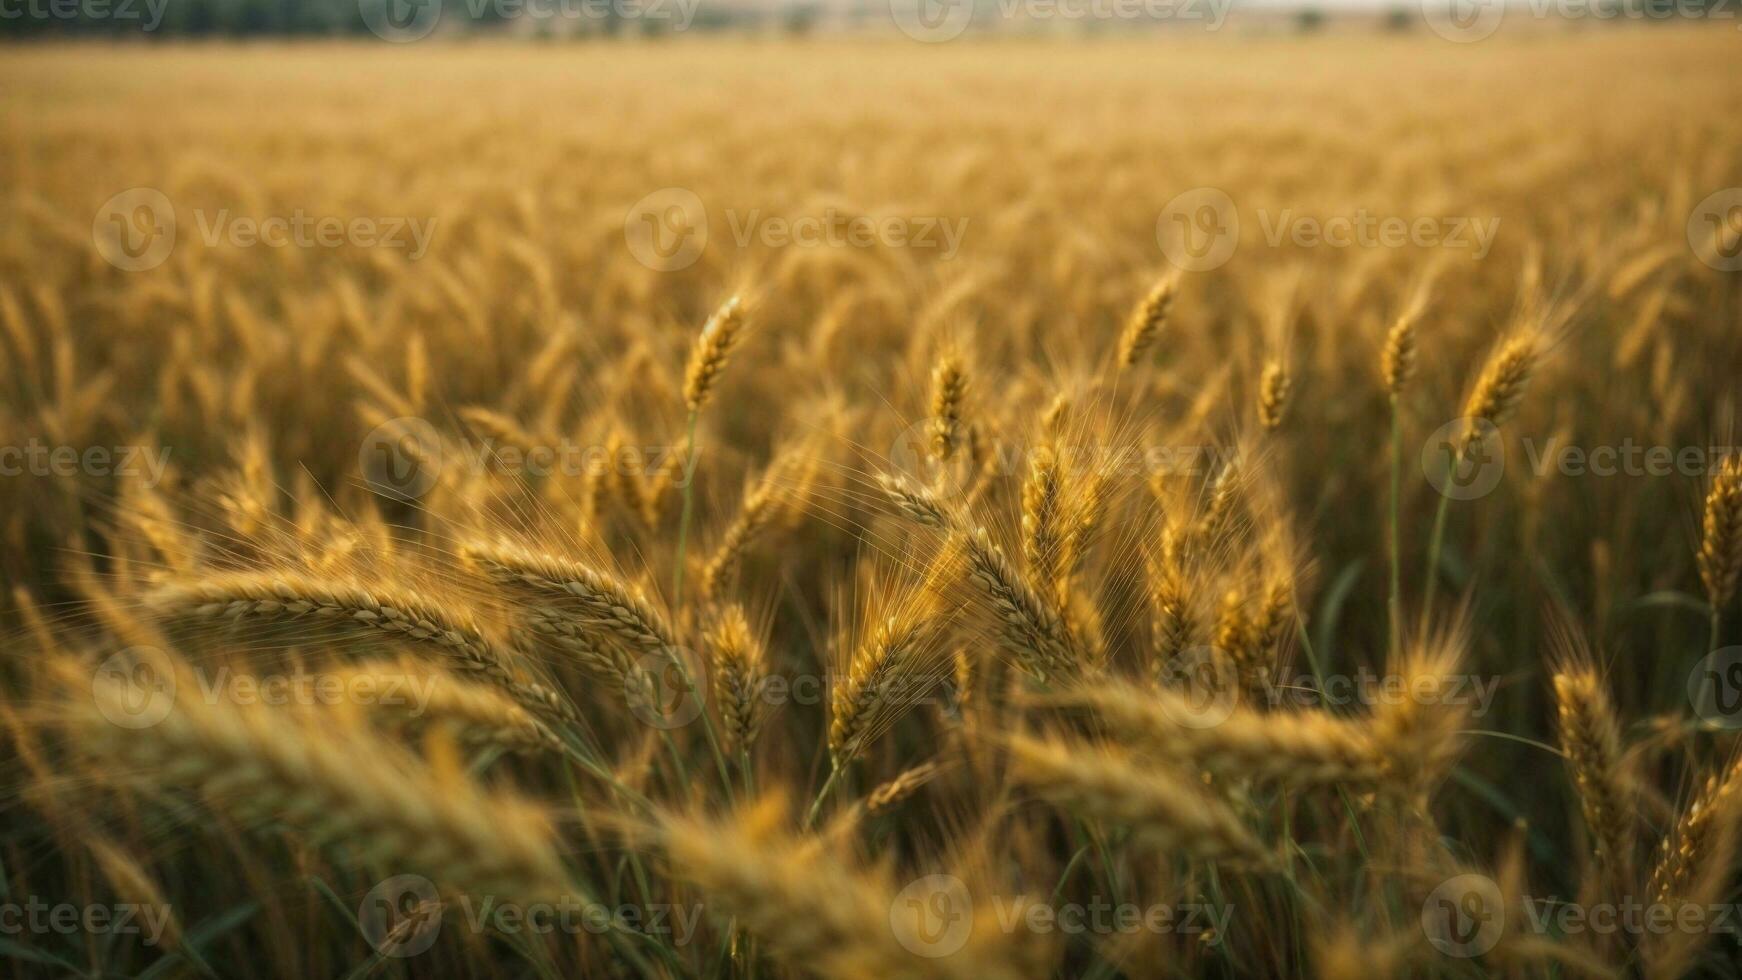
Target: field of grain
column 1203, row 505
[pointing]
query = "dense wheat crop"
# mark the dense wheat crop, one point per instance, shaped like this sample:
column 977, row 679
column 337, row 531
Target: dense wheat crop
column 1196, row 506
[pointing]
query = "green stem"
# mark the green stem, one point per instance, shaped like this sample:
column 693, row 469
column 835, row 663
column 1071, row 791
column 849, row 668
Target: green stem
column 1717, row 627
column 1433, row 559
column 1394, row 605
column 683, row 528
column 835, row 771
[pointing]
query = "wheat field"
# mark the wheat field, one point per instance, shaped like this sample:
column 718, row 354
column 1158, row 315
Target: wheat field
column 1198, row 505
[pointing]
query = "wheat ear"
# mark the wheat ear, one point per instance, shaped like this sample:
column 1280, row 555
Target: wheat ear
column 739, row 665
column 816, row 913
column 1591, row 737
column 1720, row 556
column 263, row 765
column 949, row 388
column 472, row 713
column 1165, row 812
column 1145, row 322
column 712, row 349
column 564, row 588
column 1027, row 625
column 1273, row 391
column 392, row 610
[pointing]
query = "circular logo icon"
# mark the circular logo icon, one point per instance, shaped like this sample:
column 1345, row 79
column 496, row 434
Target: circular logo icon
column 1715, row 687
column 666, row 688
column 910, row 455
column 135, row 688
column 1715, row 230
column 135, row 229
column 932, row 21
column 401, row 457
column 1207, row 685
column 1464, row 459
column 933, row 916
column 1199, row 230
column 1465, row 916
column 667, row 229
column 400, row 21
column 1463, row 21
column 401, row 916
